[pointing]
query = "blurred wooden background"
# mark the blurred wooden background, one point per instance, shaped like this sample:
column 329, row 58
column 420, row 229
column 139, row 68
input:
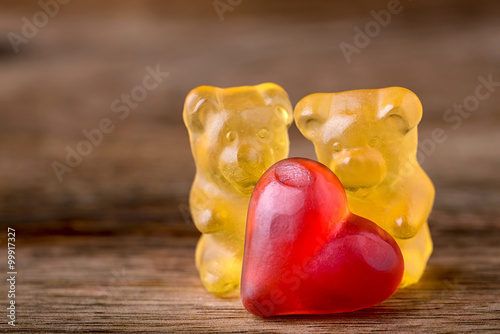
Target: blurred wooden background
column 136, row 182
column 64, row 80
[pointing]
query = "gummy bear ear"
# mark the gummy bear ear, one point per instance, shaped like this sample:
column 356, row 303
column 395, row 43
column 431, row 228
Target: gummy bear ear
column 200, row 102
column 276, row 96
column 402, row 105
column 307, row 119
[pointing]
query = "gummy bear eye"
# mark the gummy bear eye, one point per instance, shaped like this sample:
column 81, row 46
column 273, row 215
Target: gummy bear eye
column 263, row 133
column 337, row 147
column 374, row 142
column 230, row 136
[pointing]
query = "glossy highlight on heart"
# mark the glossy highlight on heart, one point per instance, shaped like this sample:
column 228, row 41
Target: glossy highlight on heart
column 305, row 253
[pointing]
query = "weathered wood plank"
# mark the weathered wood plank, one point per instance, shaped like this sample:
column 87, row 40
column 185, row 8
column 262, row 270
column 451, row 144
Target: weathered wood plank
column 133, row 276
column 110, row 249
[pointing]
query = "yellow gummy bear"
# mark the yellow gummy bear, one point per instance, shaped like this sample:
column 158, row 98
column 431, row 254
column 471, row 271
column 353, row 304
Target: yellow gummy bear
column 368, row 138
column 236, row 134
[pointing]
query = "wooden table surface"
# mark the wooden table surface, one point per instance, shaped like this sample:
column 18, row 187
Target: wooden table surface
column 111, row 247
column 139, row 276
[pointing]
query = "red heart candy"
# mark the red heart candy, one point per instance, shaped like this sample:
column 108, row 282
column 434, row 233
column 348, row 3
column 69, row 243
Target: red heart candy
column 305, row 253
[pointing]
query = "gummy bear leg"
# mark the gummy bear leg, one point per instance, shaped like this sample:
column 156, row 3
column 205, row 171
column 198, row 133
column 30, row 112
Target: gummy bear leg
column 416, row 252
column 219, row 267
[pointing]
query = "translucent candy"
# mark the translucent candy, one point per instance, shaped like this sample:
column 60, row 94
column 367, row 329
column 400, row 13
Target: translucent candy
column 236, row 134
column 305, row 253
column 368, row 138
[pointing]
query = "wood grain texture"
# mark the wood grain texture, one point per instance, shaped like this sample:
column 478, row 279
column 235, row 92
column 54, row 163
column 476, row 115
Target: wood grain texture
column 63, row 82
column 139, row 276
column 111, row 248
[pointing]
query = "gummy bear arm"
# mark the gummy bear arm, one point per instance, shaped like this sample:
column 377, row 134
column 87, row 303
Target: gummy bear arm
column 413, row 208
column 204, row 210
column 421, row 199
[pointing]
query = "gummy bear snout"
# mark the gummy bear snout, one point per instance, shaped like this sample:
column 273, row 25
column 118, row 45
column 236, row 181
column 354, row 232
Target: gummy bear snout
column 248, row 155
column 251, row 159
column 359, row 168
